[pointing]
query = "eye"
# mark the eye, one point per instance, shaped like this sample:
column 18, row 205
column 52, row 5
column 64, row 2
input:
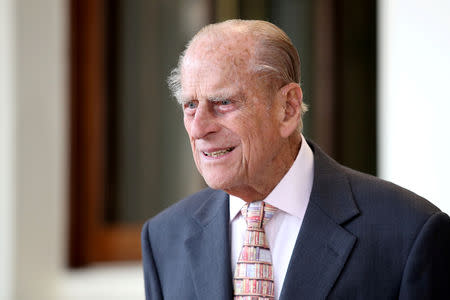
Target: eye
column 190, row 105
column 224, row 105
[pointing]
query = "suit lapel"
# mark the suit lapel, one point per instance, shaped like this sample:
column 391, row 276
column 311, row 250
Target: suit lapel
column 323, row 245
column 208, row 250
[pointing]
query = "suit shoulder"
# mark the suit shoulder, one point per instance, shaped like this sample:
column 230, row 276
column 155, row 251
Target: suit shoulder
column 182, row 210
column 373, row 193
column 374, row 196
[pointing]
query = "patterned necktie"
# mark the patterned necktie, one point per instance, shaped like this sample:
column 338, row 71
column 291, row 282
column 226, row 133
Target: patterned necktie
column 253, row 277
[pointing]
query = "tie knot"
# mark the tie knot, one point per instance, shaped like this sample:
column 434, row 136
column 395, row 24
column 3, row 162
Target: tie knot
column 257, row 214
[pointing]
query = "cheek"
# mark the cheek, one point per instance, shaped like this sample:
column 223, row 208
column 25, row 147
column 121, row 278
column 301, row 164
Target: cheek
column 261, row 138
column 187, row 127
column 251, row 138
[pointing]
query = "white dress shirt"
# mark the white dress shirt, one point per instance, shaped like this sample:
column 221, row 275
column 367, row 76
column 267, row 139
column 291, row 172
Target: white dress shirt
column 291, row 197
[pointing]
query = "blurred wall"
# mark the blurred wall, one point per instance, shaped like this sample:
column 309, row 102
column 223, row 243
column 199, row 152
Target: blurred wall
column 34, row 48
column 414, row 97
column 41, row 145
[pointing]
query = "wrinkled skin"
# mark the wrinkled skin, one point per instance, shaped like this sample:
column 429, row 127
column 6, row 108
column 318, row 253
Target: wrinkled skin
column 240, row 143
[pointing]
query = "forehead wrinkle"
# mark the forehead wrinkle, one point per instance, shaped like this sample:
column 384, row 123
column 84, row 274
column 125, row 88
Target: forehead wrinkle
column 195, row 79
column 227, row 64
column 215, row 95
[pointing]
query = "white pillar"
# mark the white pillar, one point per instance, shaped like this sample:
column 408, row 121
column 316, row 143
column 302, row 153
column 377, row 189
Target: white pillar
column 414, row 96
column 7, row 148
column 42, row 146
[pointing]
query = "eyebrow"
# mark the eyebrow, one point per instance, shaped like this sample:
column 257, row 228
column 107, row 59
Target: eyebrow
column 220, row 98
column 217, row 97
column 184, row 99
column 227, row 94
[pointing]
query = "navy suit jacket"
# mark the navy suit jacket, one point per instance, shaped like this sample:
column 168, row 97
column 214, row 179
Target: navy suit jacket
column 361, row 238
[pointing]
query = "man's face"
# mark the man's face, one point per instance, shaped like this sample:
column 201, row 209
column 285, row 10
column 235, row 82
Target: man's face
column 233, row 133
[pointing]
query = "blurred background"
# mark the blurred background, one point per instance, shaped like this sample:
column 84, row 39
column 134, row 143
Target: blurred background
column 92, row 145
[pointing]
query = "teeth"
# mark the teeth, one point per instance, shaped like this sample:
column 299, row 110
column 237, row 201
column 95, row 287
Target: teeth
column 218, row 153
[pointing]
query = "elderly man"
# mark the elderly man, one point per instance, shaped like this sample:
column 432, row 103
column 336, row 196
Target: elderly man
column 281, row 220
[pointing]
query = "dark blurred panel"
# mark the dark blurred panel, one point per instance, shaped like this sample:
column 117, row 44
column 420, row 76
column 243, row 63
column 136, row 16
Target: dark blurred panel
column 296, row 19
column 356, row 84
column 343, row 81
column 149, row 162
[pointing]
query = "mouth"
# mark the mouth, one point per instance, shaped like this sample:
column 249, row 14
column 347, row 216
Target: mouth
column 219, row 153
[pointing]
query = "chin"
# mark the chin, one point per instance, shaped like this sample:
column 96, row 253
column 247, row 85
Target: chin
column 217, row 183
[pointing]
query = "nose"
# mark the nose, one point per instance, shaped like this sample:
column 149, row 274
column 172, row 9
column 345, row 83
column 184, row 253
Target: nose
column 203, row 123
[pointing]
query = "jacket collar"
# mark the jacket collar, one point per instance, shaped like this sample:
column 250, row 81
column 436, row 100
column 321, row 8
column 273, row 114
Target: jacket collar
column 331, row 190
column 208, row 250
column 323, row 245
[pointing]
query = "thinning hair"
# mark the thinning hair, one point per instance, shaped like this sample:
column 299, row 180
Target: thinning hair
column 275, row 59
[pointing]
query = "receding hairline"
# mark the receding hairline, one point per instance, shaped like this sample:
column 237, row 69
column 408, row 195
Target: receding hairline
column 250, row 28
column 250, row 33
column 228, row 39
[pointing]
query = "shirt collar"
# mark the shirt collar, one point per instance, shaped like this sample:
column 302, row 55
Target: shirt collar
column 291, row 194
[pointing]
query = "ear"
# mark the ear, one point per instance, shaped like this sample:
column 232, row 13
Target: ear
column 291, row 98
